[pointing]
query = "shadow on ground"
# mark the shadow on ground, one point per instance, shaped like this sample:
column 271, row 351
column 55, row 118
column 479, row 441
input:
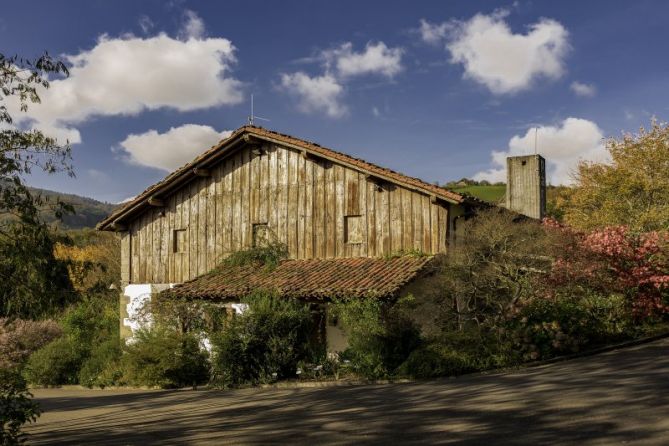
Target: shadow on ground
column 613, row 398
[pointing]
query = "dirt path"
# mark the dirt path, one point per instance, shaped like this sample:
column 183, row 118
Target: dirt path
column 620, row 397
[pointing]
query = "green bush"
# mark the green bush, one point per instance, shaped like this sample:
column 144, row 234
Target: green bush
column 380, row 337
column 432, row 360
column 87, row 327
column 264, row 343
column 56, row 363
column 548, row 327
column 16, row 407
column 164, row 358
column 95, row 370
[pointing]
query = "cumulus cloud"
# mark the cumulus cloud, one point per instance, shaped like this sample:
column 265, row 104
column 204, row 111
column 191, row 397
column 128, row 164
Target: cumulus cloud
column 172, row 149
column 377, row 58
column 316, row 94
column 128, row 75
column 563, row 146
column 497, row 58
column 324, row 93
column 581, row 89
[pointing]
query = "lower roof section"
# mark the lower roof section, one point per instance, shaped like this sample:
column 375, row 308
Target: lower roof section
column 308, row 279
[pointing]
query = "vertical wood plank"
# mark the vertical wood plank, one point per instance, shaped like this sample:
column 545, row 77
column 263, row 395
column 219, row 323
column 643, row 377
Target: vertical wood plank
column 407, row 220
column 193, row 234
column 211, row 223
column 292, row 208
column 427, row 229
column 308, row 210
column 371, row 219
column 340, row 211
column 319, row 210
column 396, row 220
column 126, row 257
column 330, row 212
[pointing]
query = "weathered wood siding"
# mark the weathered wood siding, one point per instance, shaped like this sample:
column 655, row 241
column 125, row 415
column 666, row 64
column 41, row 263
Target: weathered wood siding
column 302, row 201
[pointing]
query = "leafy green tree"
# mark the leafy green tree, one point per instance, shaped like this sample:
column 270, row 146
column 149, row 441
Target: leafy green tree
column 631, row 190
column 16, row 407
column 33, row 281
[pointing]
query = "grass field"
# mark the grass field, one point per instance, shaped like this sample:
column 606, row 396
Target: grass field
column 493, row 194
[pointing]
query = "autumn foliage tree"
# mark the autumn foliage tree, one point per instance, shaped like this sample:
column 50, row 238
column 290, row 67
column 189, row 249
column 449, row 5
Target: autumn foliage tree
column 632, row 190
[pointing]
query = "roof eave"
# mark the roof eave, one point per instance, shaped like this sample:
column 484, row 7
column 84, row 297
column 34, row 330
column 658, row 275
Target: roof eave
column 115, row 221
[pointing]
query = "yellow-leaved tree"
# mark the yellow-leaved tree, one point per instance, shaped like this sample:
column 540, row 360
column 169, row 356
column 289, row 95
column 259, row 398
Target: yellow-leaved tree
column 632, row 190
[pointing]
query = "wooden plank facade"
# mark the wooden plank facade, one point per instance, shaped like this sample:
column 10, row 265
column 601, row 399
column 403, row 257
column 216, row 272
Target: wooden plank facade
column 317, row 207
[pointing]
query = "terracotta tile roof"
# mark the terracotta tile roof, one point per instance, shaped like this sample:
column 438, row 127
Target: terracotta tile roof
column 186, row 172
column 312, row 278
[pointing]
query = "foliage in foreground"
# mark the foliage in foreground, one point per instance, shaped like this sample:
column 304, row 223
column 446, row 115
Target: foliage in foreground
column 263, row 344
column 16, row 407
column 160, row 357
column 88, row 327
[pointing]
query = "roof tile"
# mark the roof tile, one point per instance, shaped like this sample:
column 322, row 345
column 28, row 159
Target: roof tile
column 312, row 278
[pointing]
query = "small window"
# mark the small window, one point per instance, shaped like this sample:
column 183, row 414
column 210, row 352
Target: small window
column 353, row 228
column 180, row 240
column 260, row 235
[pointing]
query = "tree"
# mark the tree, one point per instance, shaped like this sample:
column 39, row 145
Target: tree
column 491, row 269
column 33, row 281
column 631, row 190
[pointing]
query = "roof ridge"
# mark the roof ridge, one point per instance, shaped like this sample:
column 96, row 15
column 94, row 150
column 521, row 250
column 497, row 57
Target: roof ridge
column 258, row 131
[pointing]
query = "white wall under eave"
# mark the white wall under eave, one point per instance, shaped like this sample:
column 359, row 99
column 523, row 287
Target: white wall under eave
column 134, row 297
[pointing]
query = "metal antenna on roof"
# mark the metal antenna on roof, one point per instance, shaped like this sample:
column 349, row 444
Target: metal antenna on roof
column 254, row 117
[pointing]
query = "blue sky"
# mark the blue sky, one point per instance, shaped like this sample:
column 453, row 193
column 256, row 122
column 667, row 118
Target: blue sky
column 438, row 90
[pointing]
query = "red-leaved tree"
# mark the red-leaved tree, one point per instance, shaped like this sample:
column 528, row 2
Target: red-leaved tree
column 615, row 260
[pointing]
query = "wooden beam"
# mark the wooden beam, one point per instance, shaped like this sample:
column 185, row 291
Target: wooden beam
column 117, row 226
column 201, row 172
column 155, row 201
column 250, row 139
column 438, row 201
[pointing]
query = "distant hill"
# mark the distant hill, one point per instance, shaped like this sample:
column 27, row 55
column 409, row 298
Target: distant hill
column 88, row 211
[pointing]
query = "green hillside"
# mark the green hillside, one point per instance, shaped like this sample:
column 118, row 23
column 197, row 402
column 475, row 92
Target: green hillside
column 88, row 210
column 492, row 193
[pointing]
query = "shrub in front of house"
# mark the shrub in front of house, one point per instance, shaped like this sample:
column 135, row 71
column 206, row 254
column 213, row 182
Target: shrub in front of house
column 381, row 337
column 86, row 327
column 160, row 357
column 263, row 344
column 56, row 363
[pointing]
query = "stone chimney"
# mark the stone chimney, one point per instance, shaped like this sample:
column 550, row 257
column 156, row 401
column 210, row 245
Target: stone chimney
column 526, row 185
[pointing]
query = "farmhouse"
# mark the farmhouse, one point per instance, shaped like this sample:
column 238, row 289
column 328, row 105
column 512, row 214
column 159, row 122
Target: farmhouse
column 349, row 225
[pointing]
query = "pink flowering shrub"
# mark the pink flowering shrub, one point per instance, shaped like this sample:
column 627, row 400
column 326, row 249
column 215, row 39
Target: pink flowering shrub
column 616, row 260
column 20, row 338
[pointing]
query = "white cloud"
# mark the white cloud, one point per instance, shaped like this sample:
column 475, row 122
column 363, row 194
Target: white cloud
column 432, row 33
column 324, row 93
column 581, row 89
column 376, row 59
column 376, row 112
column 128, row 75
column 318, row 93
column 494, row 56
column 193, row 26
column 172, row 149
column 563, row 146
